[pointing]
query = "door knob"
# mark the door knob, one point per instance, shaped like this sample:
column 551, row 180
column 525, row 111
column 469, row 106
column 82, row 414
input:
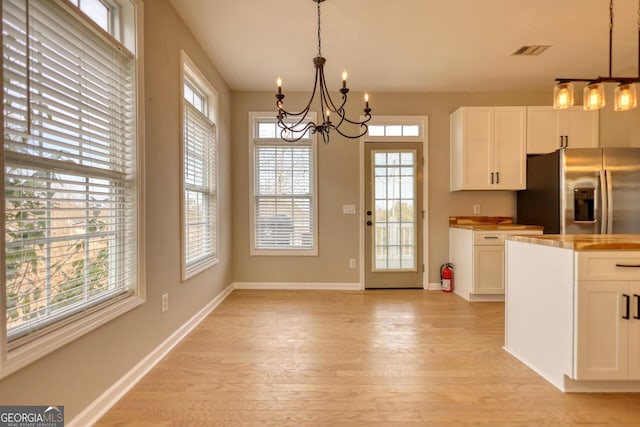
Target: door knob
column 368, row 213
column 369, row 223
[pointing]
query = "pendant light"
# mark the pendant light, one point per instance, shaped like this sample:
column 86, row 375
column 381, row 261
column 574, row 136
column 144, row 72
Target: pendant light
column 625, row 95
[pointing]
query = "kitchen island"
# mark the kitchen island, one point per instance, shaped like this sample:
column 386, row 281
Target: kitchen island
column 572, row 309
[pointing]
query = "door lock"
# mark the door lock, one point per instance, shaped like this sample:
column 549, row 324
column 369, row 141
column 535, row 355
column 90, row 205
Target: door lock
column 369, row 223
column 368, row 213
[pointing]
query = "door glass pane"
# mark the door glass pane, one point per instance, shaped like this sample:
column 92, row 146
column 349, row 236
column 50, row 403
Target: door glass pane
column 395, row 217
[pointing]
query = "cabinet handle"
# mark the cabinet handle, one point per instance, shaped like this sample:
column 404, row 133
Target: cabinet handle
column 637, row 316
column 627, row 302
column 492, row 177
column 628, row 265
column 561, row 141
column 497, row 177
column 490, row 237
column 566, row 141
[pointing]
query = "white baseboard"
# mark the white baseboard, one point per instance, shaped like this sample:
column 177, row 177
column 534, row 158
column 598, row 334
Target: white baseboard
column 92, row 413
column 316, row 286
column 434, row 286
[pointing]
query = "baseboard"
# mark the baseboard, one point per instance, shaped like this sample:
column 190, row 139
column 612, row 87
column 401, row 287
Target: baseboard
column 434, row 286
column 92, row 413
column 316, row 286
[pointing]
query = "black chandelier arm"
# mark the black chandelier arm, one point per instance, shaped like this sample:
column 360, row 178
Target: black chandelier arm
column 361, row 134
column 301, row 132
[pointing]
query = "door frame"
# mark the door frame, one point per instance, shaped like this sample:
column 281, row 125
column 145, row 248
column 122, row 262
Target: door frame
column 423, row 123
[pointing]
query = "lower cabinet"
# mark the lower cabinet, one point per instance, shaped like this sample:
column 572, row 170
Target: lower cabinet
column 607, row 319
column 478, row 261
column 488, row 272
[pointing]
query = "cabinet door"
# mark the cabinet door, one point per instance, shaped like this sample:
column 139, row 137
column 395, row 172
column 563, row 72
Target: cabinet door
column 581, row 127
column 509, row 148
column 601, row 339
column 488, row 269
column 477, row 138
column 542, row 130
column 634, row 331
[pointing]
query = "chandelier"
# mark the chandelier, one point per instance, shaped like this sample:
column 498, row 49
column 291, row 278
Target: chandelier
column 294, row 126
column 625, row 95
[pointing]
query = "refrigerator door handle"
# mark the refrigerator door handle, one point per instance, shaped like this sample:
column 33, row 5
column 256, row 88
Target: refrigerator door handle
column 603, row 203
column 609, row 178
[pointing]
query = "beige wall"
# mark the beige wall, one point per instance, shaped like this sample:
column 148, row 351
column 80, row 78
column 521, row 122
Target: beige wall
column 338, row 177
column 78, row 373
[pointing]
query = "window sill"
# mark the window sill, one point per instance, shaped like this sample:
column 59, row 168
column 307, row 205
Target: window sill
column 29, row 353
column 199, row 267
column 284, row 252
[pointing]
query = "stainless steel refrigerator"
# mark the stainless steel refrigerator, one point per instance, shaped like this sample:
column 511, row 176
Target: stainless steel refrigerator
column 583, row 191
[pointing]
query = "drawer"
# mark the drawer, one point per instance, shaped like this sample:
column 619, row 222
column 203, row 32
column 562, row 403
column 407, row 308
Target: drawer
column 497, row 237
column 488, row 238
column 618, row 265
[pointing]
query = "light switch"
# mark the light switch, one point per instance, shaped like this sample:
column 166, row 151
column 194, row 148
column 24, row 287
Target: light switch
column 349, row 209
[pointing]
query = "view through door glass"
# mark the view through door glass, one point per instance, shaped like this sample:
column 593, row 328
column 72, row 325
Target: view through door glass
column 393, row 220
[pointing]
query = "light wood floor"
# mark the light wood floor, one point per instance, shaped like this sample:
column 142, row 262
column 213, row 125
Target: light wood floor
column 374, row 358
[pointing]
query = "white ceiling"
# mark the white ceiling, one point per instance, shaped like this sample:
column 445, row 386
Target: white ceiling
column 413, row 45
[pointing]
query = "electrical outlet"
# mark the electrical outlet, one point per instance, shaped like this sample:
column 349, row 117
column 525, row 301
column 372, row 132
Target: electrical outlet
column 165, row 302
column 352, row 263
column 476, row 209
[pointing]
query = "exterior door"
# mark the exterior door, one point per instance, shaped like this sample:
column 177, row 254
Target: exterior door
column 393, row 215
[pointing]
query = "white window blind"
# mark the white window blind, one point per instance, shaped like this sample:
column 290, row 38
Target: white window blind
column 284, row 191
column 70, row 166
column 200, row 197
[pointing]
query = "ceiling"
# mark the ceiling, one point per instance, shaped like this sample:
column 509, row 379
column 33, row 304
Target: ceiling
column 413, row 45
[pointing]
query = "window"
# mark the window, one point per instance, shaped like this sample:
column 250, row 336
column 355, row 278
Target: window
column 70, row 159
column 284, row 201
column 395, row 130
column 199, row 183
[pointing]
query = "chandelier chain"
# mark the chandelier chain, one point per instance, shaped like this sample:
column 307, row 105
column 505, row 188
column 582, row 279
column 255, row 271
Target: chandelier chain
column 319, row 37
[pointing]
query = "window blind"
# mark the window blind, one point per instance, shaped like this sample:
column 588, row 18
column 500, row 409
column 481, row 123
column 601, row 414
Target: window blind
column 70, row 166
column 284, row 214
column 200, row 198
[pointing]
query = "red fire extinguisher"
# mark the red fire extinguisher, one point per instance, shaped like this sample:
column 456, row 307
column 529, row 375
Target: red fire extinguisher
column 446, row 277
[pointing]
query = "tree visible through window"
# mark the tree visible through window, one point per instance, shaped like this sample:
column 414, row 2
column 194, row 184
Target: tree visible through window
column 70, row 165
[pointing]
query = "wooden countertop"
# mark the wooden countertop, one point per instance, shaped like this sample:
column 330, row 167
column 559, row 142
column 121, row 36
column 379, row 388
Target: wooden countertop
column 497, row 227
column 584, row 242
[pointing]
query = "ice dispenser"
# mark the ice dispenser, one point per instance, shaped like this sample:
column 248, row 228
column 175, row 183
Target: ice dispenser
column 583, row 205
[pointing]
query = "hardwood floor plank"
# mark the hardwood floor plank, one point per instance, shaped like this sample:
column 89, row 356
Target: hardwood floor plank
column 374, row 358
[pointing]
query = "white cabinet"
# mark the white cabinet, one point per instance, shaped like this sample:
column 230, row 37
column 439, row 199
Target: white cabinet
column 488, row 271
column 608, row 317
column 478, row 262
column 549, row 129
column 488, row 148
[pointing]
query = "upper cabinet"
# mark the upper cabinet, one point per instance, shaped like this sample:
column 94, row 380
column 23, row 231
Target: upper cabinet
column 488, row 148
column 549, row 129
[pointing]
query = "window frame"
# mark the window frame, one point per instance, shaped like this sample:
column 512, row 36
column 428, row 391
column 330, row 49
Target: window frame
column 54, row 336
column 254, row 119
column 191, row 75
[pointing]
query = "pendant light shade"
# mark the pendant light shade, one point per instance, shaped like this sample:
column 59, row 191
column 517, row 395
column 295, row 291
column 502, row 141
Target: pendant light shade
column 563, row 95
column 593, row 96
column 625, row 97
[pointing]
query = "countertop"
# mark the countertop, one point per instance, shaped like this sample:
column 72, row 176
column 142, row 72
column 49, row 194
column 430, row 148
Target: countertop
column 496, row 227
column 584, row 242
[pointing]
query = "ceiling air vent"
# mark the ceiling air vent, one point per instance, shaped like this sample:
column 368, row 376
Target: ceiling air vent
column 532, row 50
